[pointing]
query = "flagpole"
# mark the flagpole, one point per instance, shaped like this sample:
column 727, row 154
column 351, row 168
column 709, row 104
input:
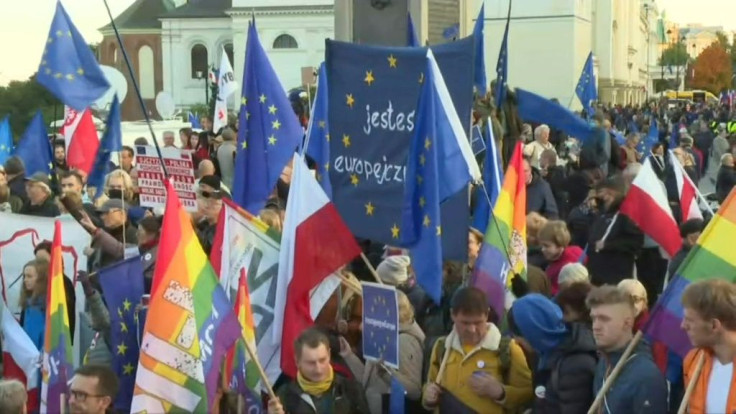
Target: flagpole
column 137, row 88
column 495, row 222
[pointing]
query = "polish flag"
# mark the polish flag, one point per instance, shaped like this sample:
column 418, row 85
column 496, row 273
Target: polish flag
column 646, row 205
column 81, row 139
column 686, row 190
column 21, row 359
column 315, row 243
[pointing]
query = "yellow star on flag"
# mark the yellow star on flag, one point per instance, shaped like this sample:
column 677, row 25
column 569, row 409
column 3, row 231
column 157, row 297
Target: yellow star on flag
column 354, row 180
column 346, row 140
column 427, row 143
column 80, row 71
column 243, row 101
column 369, row 209
column 419, row 179
column 369, row 77
column 422, row 159
column 244, row 145
column 322, row 124
column 327, row 166
column 122, row 348
column 123, row 327
column 126, row 305
column 395, row 231
column 427, row 221
column 59, row 33
column 128, row 369
column 272, row 109
column 276, row 124
column 272, row 140
column 120, row 312
column 262, row 98
column 327, row 137
column 422, row 202
column 439, row 230
column 349, row 100
column 392, row 61
column 421, row 77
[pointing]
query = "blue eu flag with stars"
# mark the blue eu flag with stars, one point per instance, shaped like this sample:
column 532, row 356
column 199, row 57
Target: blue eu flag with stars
column 68, row 67
column 536, row 108
column 34, row 147
column 6, row 140
column 112, row 141
column 502, row 66
column 380, row 324
column 586, row 90
column 435, row 170
column 269, row 130
column 373, row 93
column 122, row 285
column 318, row 134
column 479, row 72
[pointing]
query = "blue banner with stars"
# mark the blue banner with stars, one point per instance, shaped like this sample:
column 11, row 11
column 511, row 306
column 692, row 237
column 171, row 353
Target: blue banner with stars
column 380, row 324
column 122, row 285
column 373, row 95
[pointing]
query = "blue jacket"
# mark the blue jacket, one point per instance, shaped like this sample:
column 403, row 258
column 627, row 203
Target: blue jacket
column 33, row 320
column 640, row 387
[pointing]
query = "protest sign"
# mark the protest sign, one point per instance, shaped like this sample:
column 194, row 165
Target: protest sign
column 249, row 246
column 380, row 324
column 477, row 143
column 19, row 235
column 373, row 96
column 180, row 167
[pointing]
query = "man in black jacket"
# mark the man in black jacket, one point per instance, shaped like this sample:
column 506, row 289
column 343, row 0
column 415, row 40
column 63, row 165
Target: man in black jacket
column 565, row 354
column 539, row 197
column 40, row 197
column 614, row 240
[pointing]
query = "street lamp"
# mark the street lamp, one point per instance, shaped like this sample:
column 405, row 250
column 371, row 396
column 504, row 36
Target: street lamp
column 200, row 75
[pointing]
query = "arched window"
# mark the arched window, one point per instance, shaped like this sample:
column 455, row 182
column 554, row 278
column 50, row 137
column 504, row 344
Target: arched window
column 229, row 52
column 113, row 53
column 146, row 74
column 199, row 61
column 285, row 41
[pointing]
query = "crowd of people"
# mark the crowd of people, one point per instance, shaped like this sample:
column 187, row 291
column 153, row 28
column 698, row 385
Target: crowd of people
column 588, row 290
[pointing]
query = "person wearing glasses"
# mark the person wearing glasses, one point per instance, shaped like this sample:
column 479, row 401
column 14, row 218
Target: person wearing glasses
column 92, row 390
column 209, row 204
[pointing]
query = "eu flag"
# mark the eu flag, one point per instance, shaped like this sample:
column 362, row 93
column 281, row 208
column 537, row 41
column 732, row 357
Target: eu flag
column 586, row 90
column 535, row 108
column 373, row 93
column 479, row 71
column 194, row 121
column 122, row 285
column 68, row 68
column 6, row 140
column 269, row 130
column 436, row 169
column 492, row 180
column 112, row 141
column 318, row 133
column 502, row 66
column 34, row 147
column 411, row 35
column 647, row 142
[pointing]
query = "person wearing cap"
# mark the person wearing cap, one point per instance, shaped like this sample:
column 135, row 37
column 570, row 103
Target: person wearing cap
column 109, row 243
column 209, row 204
column 15, row 172
column 612, row 253
column 563, row 355
column 40, row 197
column 395, row 271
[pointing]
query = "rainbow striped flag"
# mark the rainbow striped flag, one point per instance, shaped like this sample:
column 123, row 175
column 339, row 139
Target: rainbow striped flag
column 190, row 324
column 503, row 253
column 56, row 369
column 713, row 257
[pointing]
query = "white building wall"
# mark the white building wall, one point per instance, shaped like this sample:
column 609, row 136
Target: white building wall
column 547, row 45
column 178, row 36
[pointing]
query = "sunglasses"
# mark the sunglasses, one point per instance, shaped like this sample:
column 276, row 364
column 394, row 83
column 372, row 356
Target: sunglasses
column 209, row 194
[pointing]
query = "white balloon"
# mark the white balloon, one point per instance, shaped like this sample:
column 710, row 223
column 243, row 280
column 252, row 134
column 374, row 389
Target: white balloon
column 118, row 84
column 165, row 105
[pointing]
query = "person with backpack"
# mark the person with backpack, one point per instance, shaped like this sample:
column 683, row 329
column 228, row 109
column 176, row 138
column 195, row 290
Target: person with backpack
column 475, row 365
column 565, row 355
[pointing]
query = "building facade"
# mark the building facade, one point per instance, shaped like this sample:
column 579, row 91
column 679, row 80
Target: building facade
column 549, row 42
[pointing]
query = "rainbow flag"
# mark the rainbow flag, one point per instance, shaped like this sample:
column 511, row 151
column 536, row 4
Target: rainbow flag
column 503, row 253
column 56, row 369
column 236, row 356
column 713, row 257
column 190, row 324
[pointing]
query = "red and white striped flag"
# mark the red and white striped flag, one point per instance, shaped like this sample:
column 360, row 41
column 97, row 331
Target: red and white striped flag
column 21, row 358
column 687, row 191
column 81, row 139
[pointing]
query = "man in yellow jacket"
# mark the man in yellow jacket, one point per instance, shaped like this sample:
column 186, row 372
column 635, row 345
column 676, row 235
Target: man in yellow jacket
column 486, row 372
column 710, row 323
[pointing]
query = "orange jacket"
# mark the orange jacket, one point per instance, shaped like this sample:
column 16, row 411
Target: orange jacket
column 696, row 405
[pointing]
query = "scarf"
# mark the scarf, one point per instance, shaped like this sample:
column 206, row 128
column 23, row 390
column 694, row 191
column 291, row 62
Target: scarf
column 315, row 388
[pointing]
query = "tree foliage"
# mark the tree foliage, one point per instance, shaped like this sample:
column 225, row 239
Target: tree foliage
column 21, row 100
column 712, row 69
column 674, row 55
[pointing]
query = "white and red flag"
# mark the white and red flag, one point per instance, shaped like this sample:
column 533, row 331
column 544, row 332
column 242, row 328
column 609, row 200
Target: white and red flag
column 81, row 139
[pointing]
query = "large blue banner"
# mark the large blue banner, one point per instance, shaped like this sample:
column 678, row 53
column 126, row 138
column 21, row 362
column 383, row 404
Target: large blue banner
column 373, row 96
column 380, row 324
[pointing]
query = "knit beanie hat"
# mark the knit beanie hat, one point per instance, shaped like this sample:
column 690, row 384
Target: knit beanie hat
column 539, row 320
column 394, row 270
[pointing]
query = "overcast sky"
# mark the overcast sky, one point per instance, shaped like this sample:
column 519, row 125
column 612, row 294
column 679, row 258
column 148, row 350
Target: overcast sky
column 24, row 25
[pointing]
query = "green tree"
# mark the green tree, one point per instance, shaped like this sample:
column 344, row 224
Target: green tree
column 21, row 100
column 674, row 55
column 723, row 40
